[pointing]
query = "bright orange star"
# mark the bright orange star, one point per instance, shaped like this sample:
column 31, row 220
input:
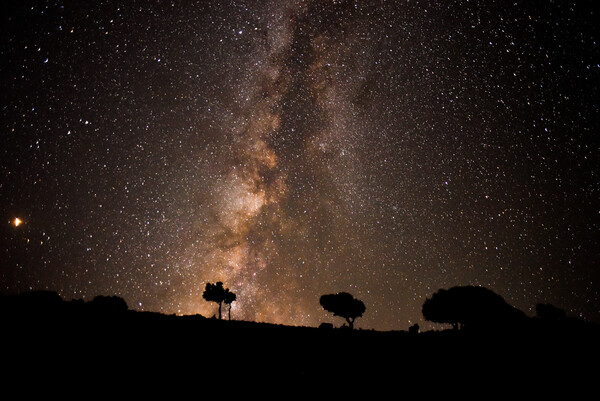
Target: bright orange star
column 17, row 222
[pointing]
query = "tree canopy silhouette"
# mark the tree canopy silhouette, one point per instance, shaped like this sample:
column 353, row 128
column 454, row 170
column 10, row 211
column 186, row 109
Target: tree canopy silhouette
column 344, row 305
column 469, row 306
column 216, row 293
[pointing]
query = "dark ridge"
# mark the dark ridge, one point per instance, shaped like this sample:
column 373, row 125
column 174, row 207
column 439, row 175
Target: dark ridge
column 52, row 339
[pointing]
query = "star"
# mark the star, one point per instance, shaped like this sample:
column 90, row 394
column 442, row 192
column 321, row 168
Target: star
column 292, row 149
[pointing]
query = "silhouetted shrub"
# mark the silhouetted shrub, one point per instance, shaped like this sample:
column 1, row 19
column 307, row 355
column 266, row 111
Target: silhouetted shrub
column 414, row 329
column 111, row 304
column 33, row 302
column 41, row 298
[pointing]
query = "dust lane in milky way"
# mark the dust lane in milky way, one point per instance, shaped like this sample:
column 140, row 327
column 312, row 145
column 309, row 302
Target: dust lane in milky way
column 296, row 148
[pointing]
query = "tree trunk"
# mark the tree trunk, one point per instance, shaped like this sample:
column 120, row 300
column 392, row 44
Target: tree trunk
column 220, row 310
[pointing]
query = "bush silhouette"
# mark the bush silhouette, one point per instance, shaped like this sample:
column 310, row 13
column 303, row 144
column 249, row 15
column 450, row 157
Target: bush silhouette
column 344, row 305
column 38, row 303
column 103, row 303
column 469, row 306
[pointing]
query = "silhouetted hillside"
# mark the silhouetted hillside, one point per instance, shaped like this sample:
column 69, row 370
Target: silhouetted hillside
column 79, row 338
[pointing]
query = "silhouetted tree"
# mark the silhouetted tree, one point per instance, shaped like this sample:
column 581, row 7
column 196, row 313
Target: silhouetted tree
column 549, row 312
column 215, row 293
column 344, row 305
column 469, row 306
column 229, row 298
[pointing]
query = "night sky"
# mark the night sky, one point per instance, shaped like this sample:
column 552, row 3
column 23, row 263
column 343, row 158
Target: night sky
column 292, row 149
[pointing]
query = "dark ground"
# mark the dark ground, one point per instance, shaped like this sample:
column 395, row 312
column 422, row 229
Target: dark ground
column 70, row 345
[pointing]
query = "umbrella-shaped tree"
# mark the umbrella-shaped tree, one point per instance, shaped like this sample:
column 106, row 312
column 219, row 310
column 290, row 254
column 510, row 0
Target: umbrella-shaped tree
column 344, row 305
column 469, row 306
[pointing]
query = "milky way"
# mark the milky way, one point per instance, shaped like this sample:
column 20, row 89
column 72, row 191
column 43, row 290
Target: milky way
column 296, row 148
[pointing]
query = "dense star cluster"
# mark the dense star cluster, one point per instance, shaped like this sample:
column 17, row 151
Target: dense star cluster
column 295, row 148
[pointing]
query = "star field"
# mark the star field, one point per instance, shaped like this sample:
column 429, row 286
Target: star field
column 296, row 148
